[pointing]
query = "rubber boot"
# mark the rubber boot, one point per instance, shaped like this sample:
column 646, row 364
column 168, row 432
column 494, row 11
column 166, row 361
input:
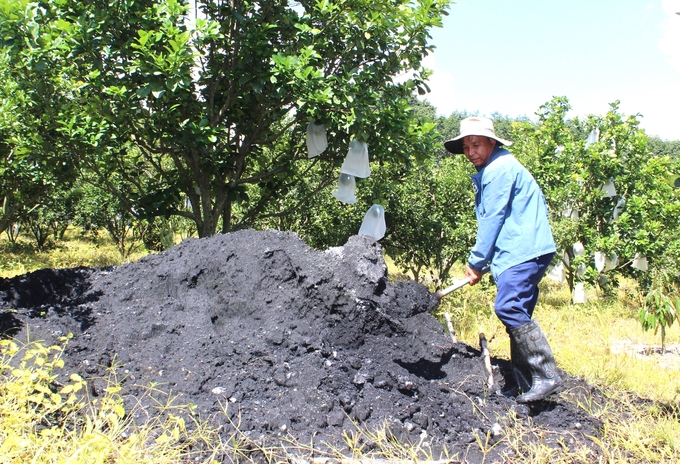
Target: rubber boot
column 519, row 373
column 534, row 352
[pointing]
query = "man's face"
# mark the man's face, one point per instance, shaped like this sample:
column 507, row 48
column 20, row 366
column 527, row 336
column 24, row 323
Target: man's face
column 478, row 149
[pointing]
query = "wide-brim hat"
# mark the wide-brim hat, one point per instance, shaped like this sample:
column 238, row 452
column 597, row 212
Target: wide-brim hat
column 473, row 126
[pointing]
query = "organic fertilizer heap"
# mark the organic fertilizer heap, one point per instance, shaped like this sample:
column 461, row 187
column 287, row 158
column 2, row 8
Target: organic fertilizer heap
column 287, row 340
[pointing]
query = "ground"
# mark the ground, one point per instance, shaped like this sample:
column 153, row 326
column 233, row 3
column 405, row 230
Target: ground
column 261, row 332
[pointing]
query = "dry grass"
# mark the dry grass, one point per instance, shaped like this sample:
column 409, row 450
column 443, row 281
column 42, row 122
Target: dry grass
column 77, row 249
column 602, row 342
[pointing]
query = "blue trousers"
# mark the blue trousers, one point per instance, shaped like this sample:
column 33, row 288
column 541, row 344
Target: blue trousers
column 518, row 291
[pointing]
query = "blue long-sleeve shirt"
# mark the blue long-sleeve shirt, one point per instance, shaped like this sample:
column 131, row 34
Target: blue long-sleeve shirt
column 511, row 214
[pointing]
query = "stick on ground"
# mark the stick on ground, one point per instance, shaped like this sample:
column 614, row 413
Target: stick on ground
column 487, row 359
column 449, row 325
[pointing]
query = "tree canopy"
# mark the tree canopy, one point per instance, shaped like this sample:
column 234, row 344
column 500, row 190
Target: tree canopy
column 206, row 119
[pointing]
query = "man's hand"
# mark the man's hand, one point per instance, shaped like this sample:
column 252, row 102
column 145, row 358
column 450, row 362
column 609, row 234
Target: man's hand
column 474, row 275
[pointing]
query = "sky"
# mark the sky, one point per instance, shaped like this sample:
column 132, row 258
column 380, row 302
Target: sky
column 512, row 56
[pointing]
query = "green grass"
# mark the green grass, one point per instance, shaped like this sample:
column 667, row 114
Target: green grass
column 599, row 341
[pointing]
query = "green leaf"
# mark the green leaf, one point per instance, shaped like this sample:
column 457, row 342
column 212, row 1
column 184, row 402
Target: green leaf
column 143, row 92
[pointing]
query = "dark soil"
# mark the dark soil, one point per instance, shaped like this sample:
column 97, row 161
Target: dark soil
column 293, row 342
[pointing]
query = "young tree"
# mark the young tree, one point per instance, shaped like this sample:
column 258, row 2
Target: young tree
column 605, row 190
column 431, row 221
column 659, row 311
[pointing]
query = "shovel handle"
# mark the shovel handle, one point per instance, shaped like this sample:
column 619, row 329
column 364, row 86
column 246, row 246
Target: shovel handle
column 454, row 287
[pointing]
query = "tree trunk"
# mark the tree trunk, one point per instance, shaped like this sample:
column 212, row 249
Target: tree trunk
column 663, row 339
column 205, row 216
column 226, row 217
column 570, row 271
column 207, row 226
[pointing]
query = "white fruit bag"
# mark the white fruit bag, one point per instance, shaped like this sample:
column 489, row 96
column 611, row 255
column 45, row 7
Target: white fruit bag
column 609, row 189
column 356, row 161
column 618, row 209
column 374, row 222
column 640, row 262
column 593, row 137
column 579, row 294
column 558, row 273
column 316, row 138
column 578, row 248
column 599, row 261
column 346, row 188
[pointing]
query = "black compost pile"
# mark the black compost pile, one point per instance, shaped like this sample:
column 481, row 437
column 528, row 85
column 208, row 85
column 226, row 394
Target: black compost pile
column 259, row 331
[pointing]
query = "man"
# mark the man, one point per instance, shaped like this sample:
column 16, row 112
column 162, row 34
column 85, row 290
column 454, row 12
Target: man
column 515, row 242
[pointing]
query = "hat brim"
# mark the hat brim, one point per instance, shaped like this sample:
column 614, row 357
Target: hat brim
column 455, row 146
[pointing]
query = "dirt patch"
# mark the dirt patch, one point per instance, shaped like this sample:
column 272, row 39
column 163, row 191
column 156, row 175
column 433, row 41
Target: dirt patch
column 668, row 359
column 292, row 341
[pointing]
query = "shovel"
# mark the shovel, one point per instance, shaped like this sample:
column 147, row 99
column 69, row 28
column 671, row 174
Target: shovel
column 442, row 293
column 482, row 339
column 460, row 284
